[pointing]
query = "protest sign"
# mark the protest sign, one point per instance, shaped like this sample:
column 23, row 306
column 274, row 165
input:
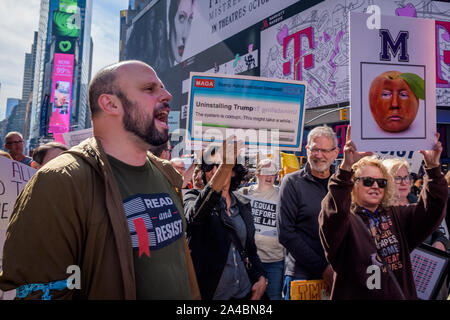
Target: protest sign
column 414, row 158
column 264, row 216
column 261, row 112
column 308, row 290
column 13, row 178
column 73, row 138
column 393, row 83
column 430, row 267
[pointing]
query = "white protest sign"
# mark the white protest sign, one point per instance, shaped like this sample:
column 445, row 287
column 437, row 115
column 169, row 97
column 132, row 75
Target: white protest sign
column 393, row 83
column 73, row 138
column 414, row 158
column 264, row 216
column 262, row 112
column 13, row 178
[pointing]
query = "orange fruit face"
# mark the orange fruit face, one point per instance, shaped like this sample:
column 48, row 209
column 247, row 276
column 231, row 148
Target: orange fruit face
column 392, row 102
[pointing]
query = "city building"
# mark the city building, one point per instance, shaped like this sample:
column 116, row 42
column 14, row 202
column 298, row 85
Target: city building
column 18, row 117
column 126, row 19
column 62, row 70
column 288, row 39
column 10, row 104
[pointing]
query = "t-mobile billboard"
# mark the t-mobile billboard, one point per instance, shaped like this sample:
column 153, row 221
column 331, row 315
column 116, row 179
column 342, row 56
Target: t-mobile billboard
column 61, row 98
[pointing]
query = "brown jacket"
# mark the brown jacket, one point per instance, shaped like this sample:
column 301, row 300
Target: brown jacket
column 71, row 213
column 350, row 246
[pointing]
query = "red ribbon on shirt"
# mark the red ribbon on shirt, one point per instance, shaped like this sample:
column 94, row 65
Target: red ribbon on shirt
column 141, row 230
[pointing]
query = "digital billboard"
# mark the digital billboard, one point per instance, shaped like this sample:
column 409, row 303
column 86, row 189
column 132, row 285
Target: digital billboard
column 68, row 6
column 66, row 24
column 313, row 45
column 61, row 98
column 65, row 45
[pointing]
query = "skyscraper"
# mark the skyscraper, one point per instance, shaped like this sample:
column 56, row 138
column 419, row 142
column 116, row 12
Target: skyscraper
column 10, row 104
column 19, row 117
column 126, row 17
column 62, row 70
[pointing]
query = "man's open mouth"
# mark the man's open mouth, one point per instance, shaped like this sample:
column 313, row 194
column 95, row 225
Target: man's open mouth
column 162, row 116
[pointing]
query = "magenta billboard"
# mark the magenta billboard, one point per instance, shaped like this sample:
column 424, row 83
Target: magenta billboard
column 61, row 97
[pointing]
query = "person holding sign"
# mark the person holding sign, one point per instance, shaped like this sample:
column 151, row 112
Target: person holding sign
column 366, row 239
column 263, row 197
column 221, row 231
column 298, row 208
column 105, row 219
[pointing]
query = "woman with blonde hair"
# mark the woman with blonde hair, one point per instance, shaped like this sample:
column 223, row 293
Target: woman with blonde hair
column 367, row 240
column 399, row 170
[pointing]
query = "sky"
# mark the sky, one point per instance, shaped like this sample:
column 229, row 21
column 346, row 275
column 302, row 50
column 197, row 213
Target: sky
column 20, row 18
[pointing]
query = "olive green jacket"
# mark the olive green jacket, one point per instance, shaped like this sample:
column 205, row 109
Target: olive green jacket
column 71, row 213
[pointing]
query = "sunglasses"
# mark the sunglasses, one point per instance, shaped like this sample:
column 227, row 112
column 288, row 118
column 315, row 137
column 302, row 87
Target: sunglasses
column 13, row 142
column 368, row 182
column 208, row 167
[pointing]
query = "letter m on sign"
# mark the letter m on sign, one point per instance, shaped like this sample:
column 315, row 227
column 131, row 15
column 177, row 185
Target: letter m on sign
column 399, row 44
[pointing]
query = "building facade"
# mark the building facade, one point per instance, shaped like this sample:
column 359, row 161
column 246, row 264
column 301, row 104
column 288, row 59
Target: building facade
column 62, row 70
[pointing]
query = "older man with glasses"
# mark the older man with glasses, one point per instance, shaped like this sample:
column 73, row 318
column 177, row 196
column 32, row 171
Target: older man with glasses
column 298, row 209
column 14, row 145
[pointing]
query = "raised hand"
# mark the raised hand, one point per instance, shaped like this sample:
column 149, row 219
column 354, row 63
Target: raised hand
column 230, row 150
column 351, row 155
column 432, row 157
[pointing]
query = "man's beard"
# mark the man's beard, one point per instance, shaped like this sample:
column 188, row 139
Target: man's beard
column 140, row 125
column 322, row 167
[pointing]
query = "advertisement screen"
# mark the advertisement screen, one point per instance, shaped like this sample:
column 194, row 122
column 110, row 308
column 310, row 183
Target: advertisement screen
column 68, row 6
column 313, row 46
column 62, row 79
column 65, row 45
column 66, row 24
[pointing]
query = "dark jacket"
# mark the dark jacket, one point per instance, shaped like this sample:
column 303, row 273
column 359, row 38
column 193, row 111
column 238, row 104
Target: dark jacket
column 350, row 247
column 71, row 213
column 298, row 229
column 209, row 238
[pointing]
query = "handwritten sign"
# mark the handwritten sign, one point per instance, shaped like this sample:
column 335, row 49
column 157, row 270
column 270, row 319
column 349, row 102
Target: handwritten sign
column 13, row 178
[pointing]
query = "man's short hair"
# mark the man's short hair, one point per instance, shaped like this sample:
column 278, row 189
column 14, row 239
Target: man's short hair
column 40, row 152
column 13, row 133
column 173, row 160
column 320, row 132
column 103, row 82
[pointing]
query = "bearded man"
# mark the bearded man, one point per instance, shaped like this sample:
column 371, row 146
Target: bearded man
column 105, row 219
column 299, row 204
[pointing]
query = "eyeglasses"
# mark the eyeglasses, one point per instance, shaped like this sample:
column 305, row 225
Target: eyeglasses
column 368, row 182
column 323, row 151
column 13, row 142
column 208, row 167
column 399, row 179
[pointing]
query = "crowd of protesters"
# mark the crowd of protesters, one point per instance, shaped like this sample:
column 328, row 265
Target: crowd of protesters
column 141, row 224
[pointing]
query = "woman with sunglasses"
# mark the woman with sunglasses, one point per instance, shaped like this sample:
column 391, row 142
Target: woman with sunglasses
column 221, row 232
column 367, row 240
